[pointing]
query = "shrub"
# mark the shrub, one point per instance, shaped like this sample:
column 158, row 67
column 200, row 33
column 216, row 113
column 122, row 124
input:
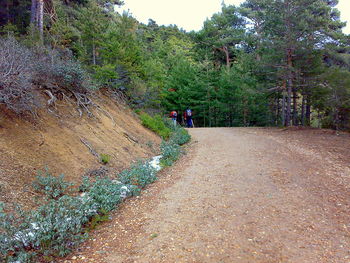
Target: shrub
column 12, row 235
column 105, row 194
column 180, row 136
column 138, row 111
column 62, row 76
column 105, row 158
column 155, row 124
column 58, row 71
column 140, row 175
column 52, row 230
column 22, row 69
column 85, row 185
column 52, row 186
column 170, row 152
column 59, row 224
column 16, row 73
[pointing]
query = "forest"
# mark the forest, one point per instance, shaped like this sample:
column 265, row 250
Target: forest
column 263, row 63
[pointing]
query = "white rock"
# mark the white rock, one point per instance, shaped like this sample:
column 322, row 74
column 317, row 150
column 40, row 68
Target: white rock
column 155, row 162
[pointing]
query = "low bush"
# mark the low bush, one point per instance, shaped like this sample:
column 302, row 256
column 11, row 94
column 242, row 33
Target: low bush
column 180, row 136
column 105, row 158
column 52, row 186
column 23, row 70
column 170, row 152
column 140, row 175
column 59, row 72
column 54, row 229
column 104, row 193
column 16, row 76
column 155, row 124
column 58, row 225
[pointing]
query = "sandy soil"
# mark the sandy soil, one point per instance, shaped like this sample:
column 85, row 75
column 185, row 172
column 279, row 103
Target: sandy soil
column 239, row 195
column 54, row 140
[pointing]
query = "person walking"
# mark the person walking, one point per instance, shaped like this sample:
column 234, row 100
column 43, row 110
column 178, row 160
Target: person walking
column 173, row 116
column 188, row 118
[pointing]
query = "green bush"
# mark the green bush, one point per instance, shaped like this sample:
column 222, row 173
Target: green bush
column 140, row 175
column 155, row 124
column 180, row 136
column 105, row 194
column 170, row 152
column 54, row 229
column 85, row 185
column 138, row 111
column 105, row 158
column 52, row 186
column 59, row 224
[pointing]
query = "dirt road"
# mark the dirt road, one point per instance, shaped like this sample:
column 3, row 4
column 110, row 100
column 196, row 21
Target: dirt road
column 239, row 195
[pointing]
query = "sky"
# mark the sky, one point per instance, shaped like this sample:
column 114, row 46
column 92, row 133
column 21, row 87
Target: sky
column 190, row 14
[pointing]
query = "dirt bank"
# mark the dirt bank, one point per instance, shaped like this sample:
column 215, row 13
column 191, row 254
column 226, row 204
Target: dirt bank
column 60, row 140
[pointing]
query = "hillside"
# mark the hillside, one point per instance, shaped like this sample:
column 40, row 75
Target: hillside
column 60, row 140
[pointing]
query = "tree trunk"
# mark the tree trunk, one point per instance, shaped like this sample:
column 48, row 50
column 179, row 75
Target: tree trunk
column 33, row 15
column 284, row 108
column 245, row 112
column 295, row 108
column 40, row 18
column 4, row 12
column 308, row 110
column 227, row 56
column 278, row 110
column 37, row 17
column 303, row 110
column 289, row 86
column 7, row 11
column 93, row 52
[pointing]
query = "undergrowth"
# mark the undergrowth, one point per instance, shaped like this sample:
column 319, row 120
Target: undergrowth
column 52, row 186
column 155, row 124
column 63, row 221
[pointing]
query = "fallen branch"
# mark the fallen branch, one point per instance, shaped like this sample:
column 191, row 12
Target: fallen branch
column 88, row 145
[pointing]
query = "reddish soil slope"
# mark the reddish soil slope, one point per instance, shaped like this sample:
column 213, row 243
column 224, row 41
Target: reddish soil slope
column 56, row 140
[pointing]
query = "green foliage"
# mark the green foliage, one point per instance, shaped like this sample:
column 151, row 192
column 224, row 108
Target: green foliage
column 86, row 184
column 140, row 175
column 60, row 73
column 170, row 152
column 104, row 193
column 58, row 225
column 179, row 135
column 105, row 158
column 155, row 124
column 138, row 111
column 53, row 187
column 233, row 72
column 96, row 220
column 52, row 230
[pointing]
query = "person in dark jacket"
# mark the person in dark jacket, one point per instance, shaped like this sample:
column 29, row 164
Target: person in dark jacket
column 188, row 118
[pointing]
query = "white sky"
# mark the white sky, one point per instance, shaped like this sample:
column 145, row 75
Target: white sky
column 190, row 14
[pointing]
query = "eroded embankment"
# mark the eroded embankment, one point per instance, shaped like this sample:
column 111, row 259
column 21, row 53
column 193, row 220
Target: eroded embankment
column 68, row 144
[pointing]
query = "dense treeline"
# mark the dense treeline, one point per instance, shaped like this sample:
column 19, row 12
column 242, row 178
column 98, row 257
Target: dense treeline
column 267, row 62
